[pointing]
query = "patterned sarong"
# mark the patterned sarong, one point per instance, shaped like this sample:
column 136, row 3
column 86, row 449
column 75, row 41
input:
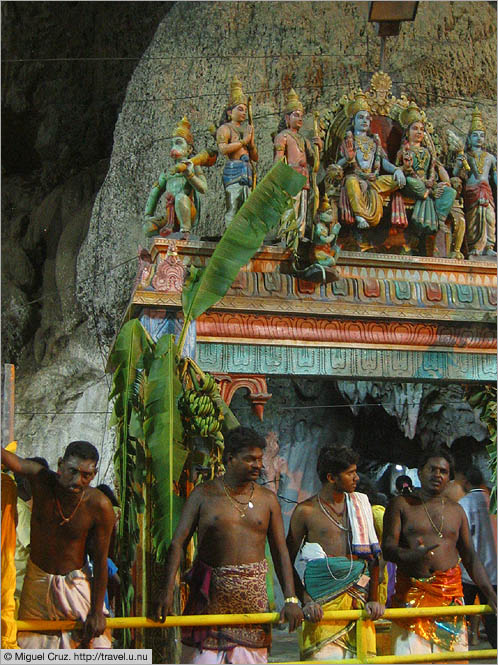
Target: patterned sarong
column 56, row 597
column 441, row 589
column 233, row 589
column 349, row 592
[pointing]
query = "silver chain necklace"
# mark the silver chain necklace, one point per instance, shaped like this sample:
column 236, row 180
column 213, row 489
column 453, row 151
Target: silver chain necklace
column 343, row 528
column 326, row 512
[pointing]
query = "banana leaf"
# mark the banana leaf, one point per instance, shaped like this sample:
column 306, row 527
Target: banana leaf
column 164, row 435
column 258, row 215
column 132, row 346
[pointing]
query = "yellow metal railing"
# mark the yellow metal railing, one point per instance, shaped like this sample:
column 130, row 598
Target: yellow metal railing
column 360, row 616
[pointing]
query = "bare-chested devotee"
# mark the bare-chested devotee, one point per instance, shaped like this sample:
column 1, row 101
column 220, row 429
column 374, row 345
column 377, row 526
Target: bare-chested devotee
column 66, row 513
column 427, row 535
column 337, row 567
column 233, row 516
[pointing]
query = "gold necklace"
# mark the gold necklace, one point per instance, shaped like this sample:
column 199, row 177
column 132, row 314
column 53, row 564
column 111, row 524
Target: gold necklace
column 234, row 501
column 65, row 519
column 440, row 530
column 480, row 160
column 364, row 143
column 327, row 514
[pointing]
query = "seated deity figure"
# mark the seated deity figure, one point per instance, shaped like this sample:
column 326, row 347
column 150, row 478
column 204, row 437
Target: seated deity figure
column 432, row 199
column 297, row 151
column 362, row 157
column 182, row 183
column 478, row 197
column 237, row 144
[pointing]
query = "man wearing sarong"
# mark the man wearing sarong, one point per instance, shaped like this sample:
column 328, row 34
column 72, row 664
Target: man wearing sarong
column 233, row 516
column 337, row 568
column 427, row 535
column 66, row 513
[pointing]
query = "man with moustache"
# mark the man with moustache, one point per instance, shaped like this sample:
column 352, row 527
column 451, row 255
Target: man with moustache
column 427, row 535
column 233, row 516
column 66, row 513
column 337, row 567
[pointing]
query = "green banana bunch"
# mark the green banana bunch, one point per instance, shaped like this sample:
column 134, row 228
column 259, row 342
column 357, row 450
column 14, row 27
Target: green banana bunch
column 200, row 413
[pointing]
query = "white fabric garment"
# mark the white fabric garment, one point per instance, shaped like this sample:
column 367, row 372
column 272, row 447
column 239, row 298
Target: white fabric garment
column 476, row 507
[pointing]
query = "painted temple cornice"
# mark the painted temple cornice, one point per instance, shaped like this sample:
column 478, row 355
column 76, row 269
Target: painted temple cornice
column 389, row 317
column 218, row 327
column 374, row 286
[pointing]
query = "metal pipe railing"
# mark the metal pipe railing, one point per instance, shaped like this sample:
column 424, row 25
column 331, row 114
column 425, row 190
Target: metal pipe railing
column 360, row 616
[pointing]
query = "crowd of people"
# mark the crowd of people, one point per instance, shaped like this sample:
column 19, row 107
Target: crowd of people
column 345, row 549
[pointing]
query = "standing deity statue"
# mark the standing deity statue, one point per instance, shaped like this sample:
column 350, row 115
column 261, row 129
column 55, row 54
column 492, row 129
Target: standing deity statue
column 297, row 152
column 433, row 199
column 237, row 144
column 478, row 197
column 362, row 157
column 183, row 183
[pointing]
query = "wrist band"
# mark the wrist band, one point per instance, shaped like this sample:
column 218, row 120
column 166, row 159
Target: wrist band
column 291, row 599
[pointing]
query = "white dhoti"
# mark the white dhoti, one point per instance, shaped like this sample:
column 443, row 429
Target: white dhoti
column 56, row 597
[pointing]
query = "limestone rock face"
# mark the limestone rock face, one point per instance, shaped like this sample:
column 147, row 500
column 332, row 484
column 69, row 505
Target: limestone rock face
column 430, row 414
column 79, row 267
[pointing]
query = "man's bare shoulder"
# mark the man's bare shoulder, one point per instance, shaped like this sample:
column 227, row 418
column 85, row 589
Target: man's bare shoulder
column 98, row 501
column 266, row 495
column 306, row 507
column 401, row 502
column 205, row 490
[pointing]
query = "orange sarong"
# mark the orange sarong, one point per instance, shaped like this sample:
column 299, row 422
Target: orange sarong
column 9, row 519
column 441, row 589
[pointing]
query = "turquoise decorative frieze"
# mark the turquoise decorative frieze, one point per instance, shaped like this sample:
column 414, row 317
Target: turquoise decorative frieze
column 352, row 363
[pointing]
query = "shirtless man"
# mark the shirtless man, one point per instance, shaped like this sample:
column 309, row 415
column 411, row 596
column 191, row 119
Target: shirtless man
column 427, row 535
column 66, row 512
column 233, row 516
column 337, row 562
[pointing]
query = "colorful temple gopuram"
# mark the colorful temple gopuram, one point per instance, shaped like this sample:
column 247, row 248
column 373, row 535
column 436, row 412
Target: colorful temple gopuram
column 368, row 296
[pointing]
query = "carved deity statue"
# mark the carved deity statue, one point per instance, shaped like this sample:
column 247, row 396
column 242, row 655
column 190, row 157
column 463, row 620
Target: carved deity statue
column 478, row 197
column 325, row 250
column 457, row 216
column 236, row 142
column 433, row 197
column 362, row 157
column 297, row 151
column 182, row 183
